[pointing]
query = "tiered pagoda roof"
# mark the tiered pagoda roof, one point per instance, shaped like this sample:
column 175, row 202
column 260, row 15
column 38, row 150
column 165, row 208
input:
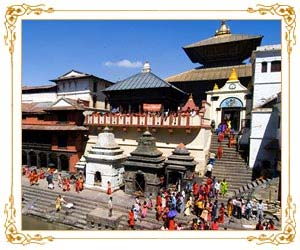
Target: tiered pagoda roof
column 223, row 48
column 146, row 155
column 180, row 159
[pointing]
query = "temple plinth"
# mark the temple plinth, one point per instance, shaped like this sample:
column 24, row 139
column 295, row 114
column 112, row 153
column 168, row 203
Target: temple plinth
column 104, row 163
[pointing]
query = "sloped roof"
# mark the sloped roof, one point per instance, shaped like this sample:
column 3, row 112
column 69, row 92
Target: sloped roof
column 143, row 80
column 74, row 74
column 204, row 74
column 222, row 39
column 35, row 107
column 70, row 104
column 190, row 105
column 41, row 87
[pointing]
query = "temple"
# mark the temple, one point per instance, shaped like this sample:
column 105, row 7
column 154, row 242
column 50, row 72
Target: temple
column 104, row 163
column 144, row 168
column 217, row 56
column 144, row 92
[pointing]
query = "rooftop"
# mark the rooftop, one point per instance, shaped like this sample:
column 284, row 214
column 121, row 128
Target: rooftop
column 206, row 74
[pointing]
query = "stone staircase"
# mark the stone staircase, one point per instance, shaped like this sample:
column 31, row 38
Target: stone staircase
column 231, row 167
column 41, row 203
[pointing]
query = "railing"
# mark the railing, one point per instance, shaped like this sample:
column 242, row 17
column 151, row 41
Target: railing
column 178, row 120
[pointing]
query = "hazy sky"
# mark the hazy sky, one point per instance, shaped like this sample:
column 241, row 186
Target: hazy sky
column 115, row 50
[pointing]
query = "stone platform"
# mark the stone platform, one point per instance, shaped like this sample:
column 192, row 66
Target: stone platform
column 99, row 219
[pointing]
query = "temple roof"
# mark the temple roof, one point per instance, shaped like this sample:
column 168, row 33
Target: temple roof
column 190, row 105
column 223, row 48
column 146, row 155
column 180, row 159
column 206, row 74
column 143, row 80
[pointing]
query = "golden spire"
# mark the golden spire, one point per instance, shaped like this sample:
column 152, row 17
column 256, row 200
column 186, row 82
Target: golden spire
column 216, row 87
column 223, row 30
column 233, row 75
column 191, row 97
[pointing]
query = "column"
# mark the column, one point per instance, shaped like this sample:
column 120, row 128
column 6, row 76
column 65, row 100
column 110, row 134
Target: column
column 58, row 163
column 28, row 159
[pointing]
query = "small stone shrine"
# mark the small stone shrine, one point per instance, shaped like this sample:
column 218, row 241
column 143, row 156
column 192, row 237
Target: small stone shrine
column 144, row 169
column 180, row 167
column 104, row 163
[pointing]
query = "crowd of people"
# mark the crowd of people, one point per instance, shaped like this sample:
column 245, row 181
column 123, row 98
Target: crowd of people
column 51, row 175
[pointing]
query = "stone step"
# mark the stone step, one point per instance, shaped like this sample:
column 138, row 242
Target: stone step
column 79, row 214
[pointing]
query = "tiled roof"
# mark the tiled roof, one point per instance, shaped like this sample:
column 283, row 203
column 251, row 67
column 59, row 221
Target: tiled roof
column 143, row 80
column 204, row 74
column 35, row 107
column 38, row 87
column 221, row 39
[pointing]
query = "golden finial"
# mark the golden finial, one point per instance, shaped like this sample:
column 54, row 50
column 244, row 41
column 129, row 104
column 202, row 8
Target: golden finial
column 216, row 87
column 233, row 75
column 191, row 97
column 223, row 30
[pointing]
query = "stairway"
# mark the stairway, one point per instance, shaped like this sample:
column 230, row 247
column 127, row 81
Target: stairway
column 231, row 167
column 41, row 203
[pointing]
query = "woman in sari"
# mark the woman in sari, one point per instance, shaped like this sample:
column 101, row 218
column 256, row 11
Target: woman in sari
column 229, row 207
column 224, row 187
column 144, row 210
column 221, row 213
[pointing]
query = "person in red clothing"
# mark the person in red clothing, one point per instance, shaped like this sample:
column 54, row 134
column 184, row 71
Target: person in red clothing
column 42, row 174
column 77, row 185
column 131, row 219
column 221, row 137
column 195, row 189
column 271, row 225
column 214, row 225
column 108, row 188
column 221, row 213
column 231, row 141
column 220, row 152
column 158, row 200
column 171, row 224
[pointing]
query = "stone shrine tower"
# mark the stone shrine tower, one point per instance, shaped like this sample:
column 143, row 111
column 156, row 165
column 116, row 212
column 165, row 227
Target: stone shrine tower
column 180, row 167
column 104, row 163
column 144, row 169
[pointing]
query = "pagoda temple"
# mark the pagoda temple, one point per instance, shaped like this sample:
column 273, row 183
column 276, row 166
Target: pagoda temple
column 180, row 167
column 144, row 92
column 144, row 169
column 217, row 55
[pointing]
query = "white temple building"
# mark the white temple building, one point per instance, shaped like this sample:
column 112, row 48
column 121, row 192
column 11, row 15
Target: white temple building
column 104, row 163
column 228, row 102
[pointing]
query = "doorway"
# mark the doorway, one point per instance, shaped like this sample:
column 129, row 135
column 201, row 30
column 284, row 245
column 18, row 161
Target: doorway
column 64, row 163
column 233, row 115
column 97, row 179
column 140, row 182
column 174, row 177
